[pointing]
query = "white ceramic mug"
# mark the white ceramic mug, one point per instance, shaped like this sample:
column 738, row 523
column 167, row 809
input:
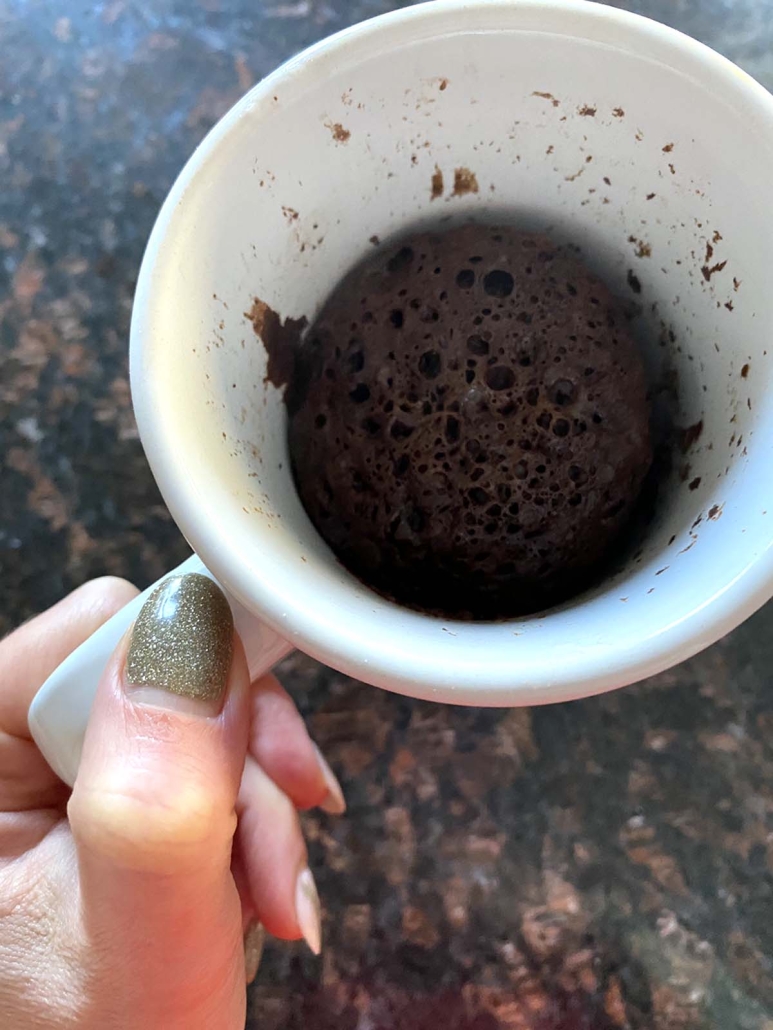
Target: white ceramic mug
column 646, row 147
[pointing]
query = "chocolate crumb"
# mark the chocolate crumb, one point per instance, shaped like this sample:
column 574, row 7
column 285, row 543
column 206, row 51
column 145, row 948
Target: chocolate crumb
column 633, row 281
column 618, row 112
column 437, row 184
column 465, row 182
column 280, row 338
column 688, row 436
column 586, row 111
column 695, row 483
column 546, row 96
column 708, row 272
column 339, row 133
column 745, row 371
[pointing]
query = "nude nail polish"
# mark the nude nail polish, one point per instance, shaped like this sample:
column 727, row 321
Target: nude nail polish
column 308, row 910
column 334, row 803
column 254, row 939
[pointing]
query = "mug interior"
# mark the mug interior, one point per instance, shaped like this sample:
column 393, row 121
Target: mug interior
column 645, row 148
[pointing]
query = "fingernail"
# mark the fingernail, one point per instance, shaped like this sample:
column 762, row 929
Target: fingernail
column 334, row 802
column 254, row 939
column 181, row 645
column 308, row 911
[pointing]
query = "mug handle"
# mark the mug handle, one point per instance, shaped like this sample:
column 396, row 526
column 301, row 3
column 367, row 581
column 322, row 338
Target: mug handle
column 60, row 710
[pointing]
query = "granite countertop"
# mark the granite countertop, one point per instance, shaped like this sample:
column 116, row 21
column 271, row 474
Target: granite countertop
column 602, row 864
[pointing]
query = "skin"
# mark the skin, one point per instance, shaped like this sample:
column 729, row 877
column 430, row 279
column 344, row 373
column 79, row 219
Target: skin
column 124, row 903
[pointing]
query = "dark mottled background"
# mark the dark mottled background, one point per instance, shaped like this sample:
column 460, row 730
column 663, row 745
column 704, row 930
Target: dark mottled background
column 603, row 864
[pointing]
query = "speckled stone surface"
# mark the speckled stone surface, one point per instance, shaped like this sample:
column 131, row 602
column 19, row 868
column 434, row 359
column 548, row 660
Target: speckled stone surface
column 599, row 865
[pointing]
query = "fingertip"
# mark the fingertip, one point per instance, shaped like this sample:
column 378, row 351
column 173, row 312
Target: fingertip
column 33, row 651
column 272, row 850
column 104, row 596
column 281, row 745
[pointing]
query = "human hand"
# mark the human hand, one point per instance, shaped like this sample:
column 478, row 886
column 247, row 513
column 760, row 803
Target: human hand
column 137, row 900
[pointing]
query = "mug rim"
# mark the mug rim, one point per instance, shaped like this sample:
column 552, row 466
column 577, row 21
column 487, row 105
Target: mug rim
column 463, row 677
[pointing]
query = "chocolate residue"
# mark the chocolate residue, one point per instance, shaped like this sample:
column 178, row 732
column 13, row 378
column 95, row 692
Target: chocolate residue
column 586, row 111
column 546, row 96
column 280, row 338
column 708, row 272
column 375, row 240
column 744, row 371
column 437, row 184
column 715, row 511
column 650, row 196
column 465, row 181
column 340, row 134
column 290, row 213
column 618, row 112
column 668, row 148
column 671, row 168
column 729, row 305
column 695, row 483
column 642, row 249
column 443, row 85
column 607, row 180
column 736, row 284
column 687, row 437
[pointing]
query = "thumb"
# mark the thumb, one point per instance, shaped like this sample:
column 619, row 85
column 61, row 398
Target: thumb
column 153, row 813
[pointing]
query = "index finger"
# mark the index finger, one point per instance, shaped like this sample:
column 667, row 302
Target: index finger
column 30, row 654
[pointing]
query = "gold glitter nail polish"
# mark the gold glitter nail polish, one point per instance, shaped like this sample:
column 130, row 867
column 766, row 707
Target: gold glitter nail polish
column 182, row 641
